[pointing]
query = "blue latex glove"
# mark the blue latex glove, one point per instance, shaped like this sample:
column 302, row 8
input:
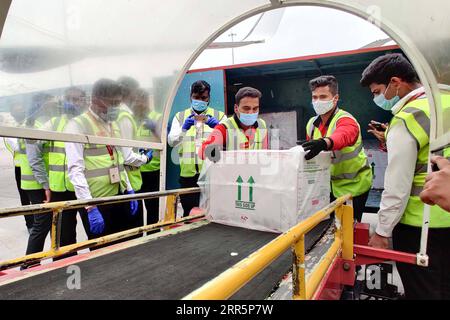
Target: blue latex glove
column 96, row 222
column 150, row 124
column 148, row 153
column 133, row 204
column 188, row 123
column 212, row 122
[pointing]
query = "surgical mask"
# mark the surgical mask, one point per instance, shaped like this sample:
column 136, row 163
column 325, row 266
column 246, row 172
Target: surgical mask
column 384, row 103
column 112, row 113
column 71, row 108
column 199, row 105
column 322, row 107
column 248, row 119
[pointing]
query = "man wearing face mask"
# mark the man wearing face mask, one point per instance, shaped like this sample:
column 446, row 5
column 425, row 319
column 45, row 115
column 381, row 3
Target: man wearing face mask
column 12, row 144
column 243, row 131
column 128, row 120
column 98, row 170
column 396, row 87
column 56, row 175
column 337, row 130
column 189, row 129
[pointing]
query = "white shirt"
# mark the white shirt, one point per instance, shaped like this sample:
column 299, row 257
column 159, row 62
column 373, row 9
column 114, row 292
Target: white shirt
column 75, row 161
column 402, row 158
column 176, row 134
column 130, row 157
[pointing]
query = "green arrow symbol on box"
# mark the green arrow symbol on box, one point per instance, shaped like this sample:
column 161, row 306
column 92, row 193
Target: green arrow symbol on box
column 239, row 181
column 250, row 181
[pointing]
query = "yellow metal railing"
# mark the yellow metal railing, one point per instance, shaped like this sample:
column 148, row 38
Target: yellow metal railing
column 57, row 209
column 230, row 281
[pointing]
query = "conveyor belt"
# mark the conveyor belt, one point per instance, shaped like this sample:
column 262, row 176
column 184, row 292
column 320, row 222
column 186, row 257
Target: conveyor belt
column 166, row 268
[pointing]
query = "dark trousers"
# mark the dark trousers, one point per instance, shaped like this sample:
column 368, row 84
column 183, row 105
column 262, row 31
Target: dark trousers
column 150, row 183
column 433, row 282
column 29, row 219
column 43, row 222
column 117, row 218
column 359, row 204
column 189, row 201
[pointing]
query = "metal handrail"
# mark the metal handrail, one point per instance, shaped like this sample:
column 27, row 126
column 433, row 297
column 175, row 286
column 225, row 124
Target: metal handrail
column 57, row 208
column 233, row 279
column 76, row 204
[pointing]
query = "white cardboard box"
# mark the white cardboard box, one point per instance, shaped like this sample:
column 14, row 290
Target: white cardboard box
column 265, row 190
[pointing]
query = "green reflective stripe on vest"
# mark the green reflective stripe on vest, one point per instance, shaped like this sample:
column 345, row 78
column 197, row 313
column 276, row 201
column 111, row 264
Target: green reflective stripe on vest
column 416, row 117
column 340, row 157
column 95, row 173
column 350, row 169
column 146, row 135
column 134, row 174
column 97, row 166
column 351, row 176
column 417, row 122
column 190, row 163
column 236, row 138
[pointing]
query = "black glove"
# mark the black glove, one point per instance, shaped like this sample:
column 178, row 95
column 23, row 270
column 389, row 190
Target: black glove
column 314, row 147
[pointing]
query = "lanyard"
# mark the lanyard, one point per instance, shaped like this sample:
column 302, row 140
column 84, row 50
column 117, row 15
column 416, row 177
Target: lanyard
column 413, row 98
column 111, row 152
column 108, row 147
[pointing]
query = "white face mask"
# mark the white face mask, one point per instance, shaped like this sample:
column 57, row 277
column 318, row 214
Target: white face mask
column 322, row 107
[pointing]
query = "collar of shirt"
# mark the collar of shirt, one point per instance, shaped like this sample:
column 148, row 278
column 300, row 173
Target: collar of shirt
column 406, row 99
column 105, row 124
column 318, row 121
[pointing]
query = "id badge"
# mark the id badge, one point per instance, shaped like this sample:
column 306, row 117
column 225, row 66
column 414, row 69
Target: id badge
column 114, row 175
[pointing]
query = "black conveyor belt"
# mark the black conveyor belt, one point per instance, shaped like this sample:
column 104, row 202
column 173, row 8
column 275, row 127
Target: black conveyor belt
column 166, row 268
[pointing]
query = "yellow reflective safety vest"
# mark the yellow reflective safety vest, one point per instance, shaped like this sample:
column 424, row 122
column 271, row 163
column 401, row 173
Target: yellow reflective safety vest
column 134, row 173
column 57, row 166
column 98, row 161
column 27, row 179
column 416, row 117
column 146, row 135
column 350, row 169
column 190, row 163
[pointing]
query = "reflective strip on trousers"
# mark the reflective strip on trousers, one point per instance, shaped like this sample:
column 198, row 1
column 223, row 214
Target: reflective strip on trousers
column 95, row 173
column 94, row 152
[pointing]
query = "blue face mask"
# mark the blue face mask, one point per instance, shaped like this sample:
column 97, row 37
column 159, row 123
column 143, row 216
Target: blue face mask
column 248, row 119
column 71, row 108
column 384, row 103
column 199, row 105
column 112, row 113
